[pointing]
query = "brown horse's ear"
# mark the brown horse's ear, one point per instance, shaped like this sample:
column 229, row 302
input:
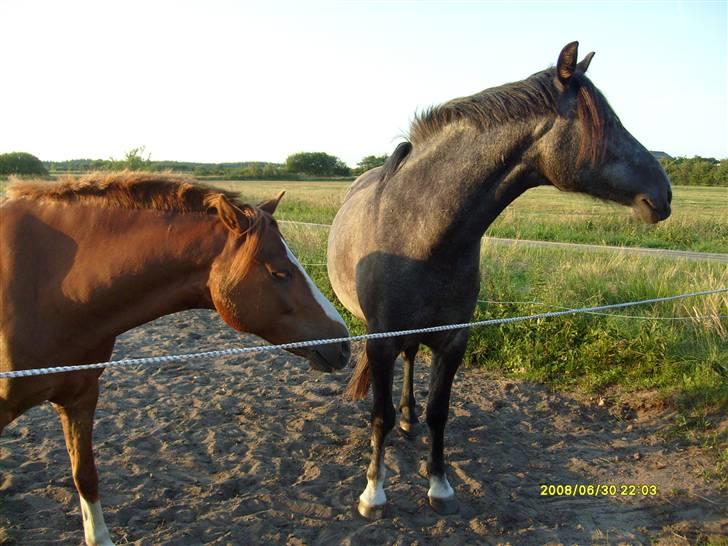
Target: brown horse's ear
column 271, row 205
column 566, row 65
column 584, row 63
column 227, row 212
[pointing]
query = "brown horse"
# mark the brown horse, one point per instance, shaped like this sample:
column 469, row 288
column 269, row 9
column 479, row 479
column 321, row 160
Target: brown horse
column 86, row 260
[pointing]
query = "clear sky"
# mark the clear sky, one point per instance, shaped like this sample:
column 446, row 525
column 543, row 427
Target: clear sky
column 220, row 80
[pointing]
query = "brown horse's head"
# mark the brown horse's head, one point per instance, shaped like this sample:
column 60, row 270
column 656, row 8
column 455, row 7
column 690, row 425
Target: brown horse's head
column 258, row 286
column 586, row 148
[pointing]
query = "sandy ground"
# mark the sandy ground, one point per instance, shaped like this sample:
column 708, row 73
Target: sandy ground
column 262, row 450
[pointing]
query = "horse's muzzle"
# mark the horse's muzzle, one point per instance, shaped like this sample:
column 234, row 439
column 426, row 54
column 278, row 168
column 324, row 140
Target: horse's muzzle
column 651, row 209
column 326, row 358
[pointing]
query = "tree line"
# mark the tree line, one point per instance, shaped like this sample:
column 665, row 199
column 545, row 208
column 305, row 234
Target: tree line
column 696, row 171
column 297, row 166
column 683, row 171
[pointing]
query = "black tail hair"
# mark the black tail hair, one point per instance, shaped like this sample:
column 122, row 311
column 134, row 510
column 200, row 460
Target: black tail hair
column 394, row 161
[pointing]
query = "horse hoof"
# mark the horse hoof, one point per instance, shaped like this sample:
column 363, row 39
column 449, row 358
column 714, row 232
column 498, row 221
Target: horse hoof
column 444, row 506
column 409, row 430
column 371, row 512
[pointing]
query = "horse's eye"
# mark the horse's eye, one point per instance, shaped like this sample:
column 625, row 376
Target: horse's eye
column 281, row 275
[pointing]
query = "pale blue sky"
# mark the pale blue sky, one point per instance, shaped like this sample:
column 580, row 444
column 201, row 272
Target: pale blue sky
column 232, row 81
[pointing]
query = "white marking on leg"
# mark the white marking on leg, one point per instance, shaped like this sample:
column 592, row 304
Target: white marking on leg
column 440, row 488
column 94, row 528
column 325, row 304
column 374, row 495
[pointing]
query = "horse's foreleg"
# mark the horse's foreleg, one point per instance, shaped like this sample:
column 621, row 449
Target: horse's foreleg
column 444, row 365
column 381, row 355
column 408, row 414
column 77, row 419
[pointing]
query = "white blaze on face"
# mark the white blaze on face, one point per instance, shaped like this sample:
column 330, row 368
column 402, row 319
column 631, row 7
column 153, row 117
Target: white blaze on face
column 94, row 528
column 325, row 304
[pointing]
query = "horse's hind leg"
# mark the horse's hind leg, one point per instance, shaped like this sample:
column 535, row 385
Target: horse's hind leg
column 408, row 414
column 445, row 363
column 77, row 416
column 381, row 355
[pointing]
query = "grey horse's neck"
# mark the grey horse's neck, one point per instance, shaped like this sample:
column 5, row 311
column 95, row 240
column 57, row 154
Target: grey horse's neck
column 455, row 200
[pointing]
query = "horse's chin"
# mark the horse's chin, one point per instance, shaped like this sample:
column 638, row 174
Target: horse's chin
column 320, row 365
column 648, row 216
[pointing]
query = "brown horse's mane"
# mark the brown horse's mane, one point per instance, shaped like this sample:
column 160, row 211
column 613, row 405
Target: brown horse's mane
column 535, row 96
column 154, row 191
column 126, row 189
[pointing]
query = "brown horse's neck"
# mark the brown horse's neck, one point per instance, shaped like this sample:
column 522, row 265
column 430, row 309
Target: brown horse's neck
column 133, row 266
column 465, row 196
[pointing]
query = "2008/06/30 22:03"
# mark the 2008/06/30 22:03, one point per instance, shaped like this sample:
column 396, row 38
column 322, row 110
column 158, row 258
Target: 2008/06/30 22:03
column 598, row 490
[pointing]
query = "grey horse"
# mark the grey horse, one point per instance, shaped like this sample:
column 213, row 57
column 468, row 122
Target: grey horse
column 404, row 248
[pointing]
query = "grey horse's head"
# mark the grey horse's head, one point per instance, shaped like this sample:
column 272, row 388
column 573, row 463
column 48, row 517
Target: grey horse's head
column 587, row 149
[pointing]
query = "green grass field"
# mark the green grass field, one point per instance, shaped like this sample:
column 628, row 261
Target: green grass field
column 679, row 349
column 699, row 221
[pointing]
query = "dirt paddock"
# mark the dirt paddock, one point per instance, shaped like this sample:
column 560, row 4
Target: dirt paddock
column 262, row 450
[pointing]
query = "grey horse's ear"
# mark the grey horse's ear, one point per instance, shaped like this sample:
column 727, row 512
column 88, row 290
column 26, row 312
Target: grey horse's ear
column 584, row 63
column 566, row 65
column 271, row 205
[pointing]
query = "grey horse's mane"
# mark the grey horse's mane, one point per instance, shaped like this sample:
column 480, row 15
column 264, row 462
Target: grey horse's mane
column 533, row 97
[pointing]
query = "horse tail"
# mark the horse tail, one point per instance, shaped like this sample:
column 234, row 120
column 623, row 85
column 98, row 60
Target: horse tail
column 359, row 382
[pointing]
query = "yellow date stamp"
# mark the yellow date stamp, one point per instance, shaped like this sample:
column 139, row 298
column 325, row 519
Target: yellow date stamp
column 598, row 490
